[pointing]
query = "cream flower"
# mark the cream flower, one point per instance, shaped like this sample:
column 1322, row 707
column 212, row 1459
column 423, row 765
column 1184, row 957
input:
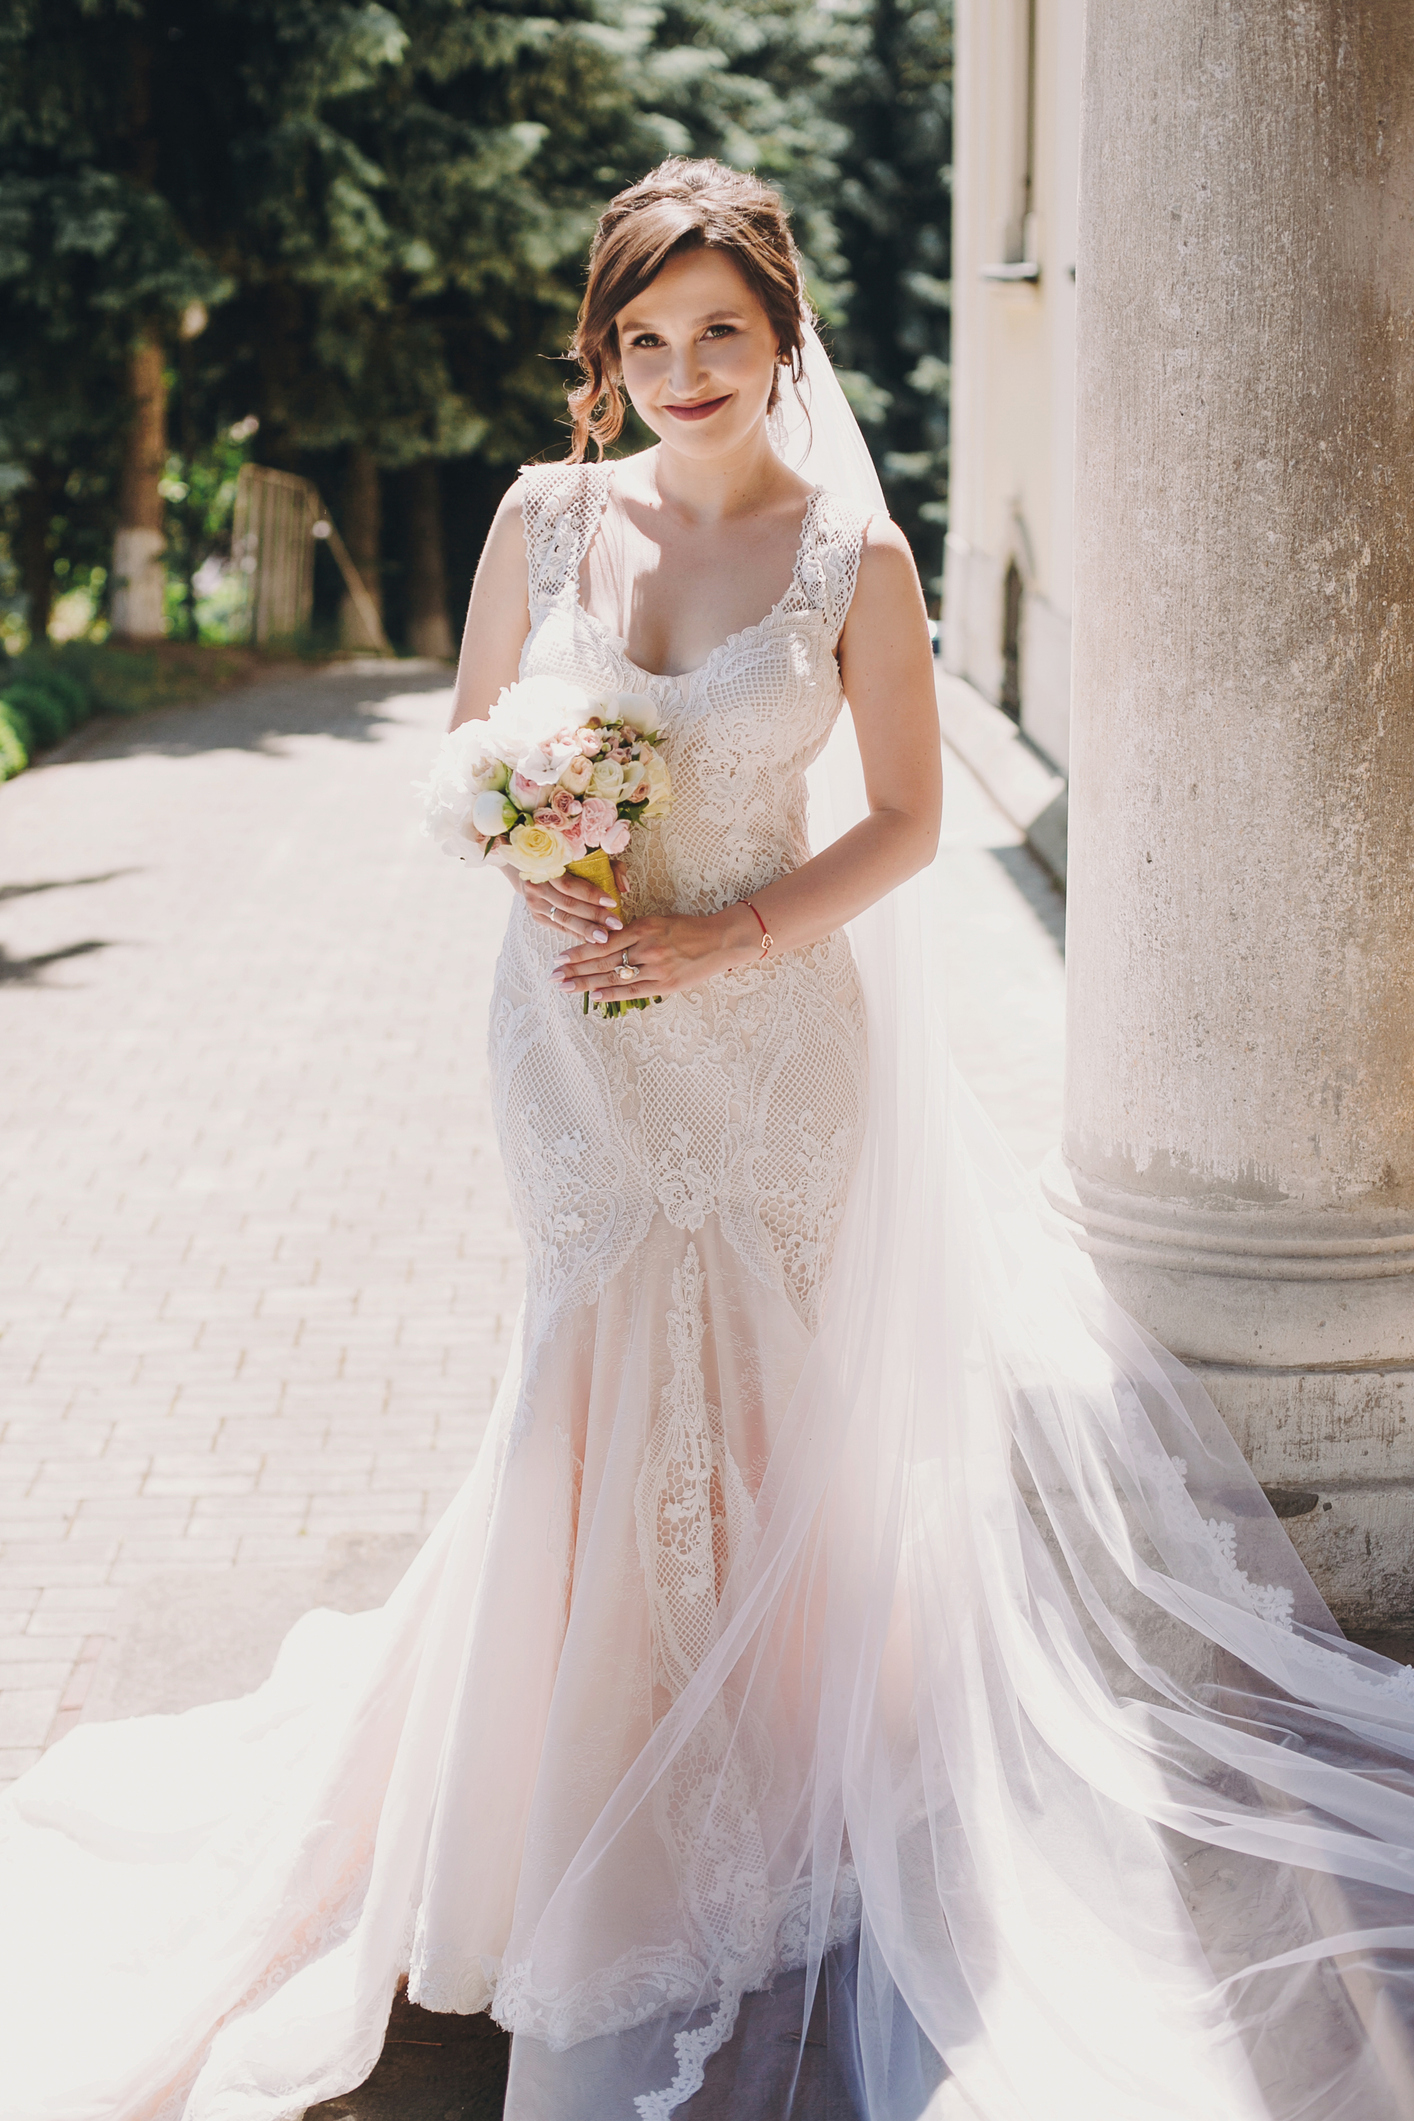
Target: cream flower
column 660, row 787
column 607, row 779
column 539, row 852
column 578, row 774
column 638, row 712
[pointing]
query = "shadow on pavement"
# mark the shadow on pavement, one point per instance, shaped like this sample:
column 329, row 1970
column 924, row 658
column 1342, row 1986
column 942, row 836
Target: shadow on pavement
column 63, row 883
column 433, row 2068
column 31, row 970
column 1037, row 886
column 342, row 702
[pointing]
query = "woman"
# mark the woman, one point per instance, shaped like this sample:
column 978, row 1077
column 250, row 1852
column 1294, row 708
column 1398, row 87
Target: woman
column 854, row 1628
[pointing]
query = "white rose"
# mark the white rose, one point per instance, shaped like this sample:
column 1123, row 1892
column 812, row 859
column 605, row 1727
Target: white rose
column 660, row 787
column 491, row 814
column 607, row 779
column 578, row 774
column 540, row 852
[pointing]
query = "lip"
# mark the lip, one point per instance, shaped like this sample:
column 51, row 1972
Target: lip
column 697, row 412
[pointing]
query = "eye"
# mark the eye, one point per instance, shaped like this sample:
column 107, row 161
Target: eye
column 712, row 329
column 645, row 338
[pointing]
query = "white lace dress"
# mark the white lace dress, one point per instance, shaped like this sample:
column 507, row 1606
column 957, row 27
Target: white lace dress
column 925, row 1633
column 679, row 1174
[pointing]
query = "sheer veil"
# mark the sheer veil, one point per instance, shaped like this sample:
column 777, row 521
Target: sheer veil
column 1027, row 1774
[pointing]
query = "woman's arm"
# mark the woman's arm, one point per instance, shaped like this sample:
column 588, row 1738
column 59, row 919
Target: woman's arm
column 497, row 618
column 497, row 622
column 886, row 664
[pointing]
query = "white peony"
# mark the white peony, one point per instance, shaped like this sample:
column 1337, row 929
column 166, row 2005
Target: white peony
column 454, row 782
column 533, row 709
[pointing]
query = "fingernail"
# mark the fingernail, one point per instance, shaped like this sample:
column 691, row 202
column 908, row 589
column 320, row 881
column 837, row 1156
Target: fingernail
column 601, row 935
column 612, row 923
column 606, row 902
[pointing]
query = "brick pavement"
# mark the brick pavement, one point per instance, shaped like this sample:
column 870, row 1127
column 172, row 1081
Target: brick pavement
column 257, row 1269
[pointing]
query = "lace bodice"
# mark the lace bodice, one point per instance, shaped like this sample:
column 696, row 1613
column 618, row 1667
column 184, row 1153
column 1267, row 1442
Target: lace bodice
column 740, row 730
column 743, row 1100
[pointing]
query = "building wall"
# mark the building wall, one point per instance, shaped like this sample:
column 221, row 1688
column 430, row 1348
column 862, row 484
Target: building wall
column 1013, row 354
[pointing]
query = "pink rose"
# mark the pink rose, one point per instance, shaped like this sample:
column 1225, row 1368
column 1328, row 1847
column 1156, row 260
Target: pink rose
column 569, row 827
column 615, row 840
column 596, row 818
column 591, row 742
column 525, row 794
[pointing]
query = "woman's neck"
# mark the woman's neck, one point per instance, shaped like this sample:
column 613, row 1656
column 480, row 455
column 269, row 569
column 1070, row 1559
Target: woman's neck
column 711, row 490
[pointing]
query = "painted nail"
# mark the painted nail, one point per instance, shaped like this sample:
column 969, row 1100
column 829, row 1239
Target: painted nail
column 612, row 923
column 606, row 902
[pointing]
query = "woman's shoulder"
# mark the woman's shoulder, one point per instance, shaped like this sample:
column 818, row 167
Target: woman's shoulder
column 535, row 483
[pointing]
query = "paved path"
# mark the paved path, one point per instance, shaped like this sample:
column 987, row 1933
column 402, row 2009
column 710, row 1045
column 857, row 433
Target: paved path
column 257, row 1270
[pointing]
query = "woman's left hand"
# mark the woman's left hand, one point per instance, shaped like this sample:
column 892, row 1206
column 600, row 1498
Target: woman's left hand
column 670, row 954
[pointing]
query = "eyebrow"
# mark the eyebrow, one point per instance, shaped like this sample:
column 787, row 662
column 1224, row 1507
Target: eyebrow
column 715, row 316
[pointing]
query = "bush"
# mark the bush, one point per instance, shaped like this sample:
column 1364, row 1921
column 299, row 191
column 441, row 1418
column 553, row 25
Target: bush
column 46, row 711
column 14, row 751
column 66, row 684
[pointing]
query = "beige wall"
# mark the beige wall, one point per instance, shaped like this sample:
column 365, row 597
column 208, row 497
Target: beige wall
column 1013, row 355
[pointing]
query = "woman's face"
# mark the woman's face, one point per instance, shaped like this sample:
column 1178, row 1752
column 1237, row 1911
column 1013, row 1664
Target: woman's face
column 699, row 355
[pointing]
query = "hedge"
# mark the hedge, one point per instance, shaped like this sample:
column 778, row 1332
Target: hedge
column 41, row 702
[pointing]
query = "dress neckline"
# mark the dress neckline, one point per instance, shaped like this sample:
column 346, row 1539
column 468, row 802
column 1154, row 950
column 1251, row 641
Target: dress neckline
column 733, row 640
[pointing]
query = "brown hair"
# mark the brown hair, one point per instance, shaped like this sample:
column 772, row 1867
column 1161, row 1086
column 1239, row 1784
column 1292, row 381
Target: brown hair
column 679, row 206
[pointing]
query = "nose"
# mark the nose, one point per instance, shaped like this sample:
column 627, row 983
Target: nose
column 685, row 370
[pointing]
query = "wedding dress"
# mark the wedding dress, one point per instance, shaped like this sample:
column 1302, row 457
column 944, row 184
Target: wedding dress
column 851, row 1613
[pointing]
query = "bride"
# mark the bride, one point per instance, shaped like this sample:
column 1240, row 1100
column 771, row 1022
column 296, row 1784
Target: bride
column 860, row 1675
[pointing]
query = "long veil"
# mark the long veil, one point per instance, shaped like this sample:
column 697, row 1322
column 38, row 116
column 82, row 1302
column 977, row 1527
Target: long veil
column 1027, row 1774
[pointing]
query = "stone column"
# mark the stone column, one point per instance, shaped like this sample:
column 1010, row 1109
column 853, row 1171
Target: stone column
column 1239, row 1137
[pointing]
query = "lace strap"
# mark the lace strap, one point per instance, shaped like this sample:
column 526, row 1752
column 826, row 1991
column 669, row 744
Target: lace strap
column 560, row 508
column 829, row 559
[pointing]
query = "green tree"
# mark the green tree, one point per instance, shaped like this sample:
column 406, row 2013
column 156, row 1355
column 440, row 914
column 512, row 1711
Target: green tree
column 893, row 212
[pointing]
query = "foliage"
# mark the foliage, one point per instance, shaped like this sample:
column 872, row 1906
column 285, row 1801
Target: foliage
column 366, row 226
column 893, row 212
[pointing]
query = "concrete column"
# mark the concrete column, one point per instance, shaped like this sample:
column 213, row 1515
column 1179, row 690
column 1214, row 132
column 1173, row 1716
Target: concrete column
column 1239, row 1138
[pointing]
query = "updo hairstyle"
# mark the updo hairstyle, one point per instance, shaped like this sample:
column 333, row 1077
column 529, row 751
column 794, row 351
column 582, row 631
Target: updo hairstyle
column 679, row 206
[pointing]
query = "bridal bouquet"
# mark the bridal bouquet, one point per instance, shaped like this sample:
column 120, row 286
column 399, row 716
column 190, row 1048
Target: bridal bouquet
column 554, row 780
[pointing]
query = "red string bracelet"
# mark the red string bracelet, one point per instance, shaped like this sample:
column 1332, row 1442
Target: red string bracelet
column 767, row 939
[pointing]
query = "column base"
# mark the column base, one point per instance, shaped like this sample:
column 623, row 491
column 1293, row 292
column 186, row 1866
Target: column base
column 1301, row 1329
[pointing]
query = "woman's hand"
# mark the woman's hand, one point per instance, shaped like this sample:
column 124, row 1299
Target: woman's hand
column 576, row 909
column 671, row 953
